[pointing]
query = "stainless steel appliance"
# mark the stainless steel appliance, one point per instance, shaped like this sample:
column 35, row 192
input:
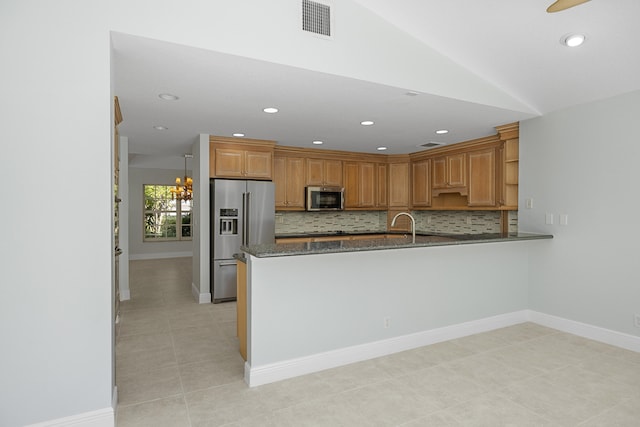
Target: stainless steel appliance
column 325, row 198
column 242, row 213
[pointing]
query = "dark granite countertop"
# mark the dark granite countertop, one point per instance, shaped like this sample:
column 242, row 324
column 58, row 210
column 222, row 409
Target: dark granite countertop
column 422, row 240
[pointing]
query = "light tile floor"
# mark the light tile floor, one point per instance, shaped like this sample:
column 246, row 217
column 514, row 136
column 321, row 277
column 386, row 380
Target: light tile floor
column 178, row 365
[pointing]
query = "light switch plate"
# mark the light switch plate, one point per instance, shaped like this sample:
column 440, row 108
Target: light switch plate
column 548, row 219
column 564, row 219
column 529, row 203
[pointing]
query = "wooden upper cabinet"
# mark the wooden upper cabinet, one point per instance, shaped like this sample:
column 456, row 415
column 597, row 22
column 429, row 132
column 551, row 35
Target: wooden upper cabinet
column 439, row 172
column 360, row 185
column 258, row 164
column 382, row 185
column 482, row 177
column 399, row 184
column 351, row 185
column 450, row 174
column 509, row 171
column 289, row 181
column 421, row 188
column 238, row 163
column 228, row 162
column 324, row 172
column 239, row 158
column 367, row 177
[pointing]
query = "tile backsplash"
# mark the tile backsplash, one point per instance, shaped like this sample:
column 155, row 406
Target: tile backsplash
column 319, row 222
column 450, row 222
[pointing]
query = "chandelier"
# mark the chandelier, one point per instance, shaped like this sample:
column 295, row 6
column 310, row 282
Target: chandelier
column 183, row 190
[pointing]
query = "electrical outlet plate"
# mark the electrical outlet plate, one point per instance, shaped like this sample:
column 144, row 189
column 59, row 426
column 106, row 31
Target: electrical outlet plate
column 387, row 322
column 637, row 320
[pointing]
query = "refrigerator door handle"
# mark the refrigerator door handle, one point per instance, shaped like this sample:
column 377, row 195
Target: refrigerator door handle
column 244, row 219
column 247, row 215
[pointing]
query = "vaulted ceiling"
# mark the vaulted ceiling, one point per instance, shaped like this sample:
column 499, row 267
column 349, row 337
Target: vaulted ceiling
column 512, row 46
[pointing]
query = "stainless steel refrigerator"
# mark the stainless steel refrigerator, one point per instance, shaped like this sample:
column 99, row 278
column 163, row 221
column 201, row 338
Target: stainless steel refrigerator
column 242, row 213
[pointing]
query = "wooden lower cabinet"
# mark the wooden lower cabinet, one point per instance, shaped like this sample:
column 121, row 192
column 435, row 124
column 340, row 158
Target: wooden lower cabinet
column 293, row 240
column 241, row 304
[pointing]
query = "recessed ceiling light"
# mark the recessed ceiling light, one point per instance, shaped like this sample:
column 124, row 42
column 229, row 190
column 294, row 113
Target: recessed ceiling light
column 573, row 40
column 270, row 110
column 160, row 128
column 317, row 142
column 442, row 131
column 168, row 97
column 381, row 148
column 366, row 123
column 238, row 134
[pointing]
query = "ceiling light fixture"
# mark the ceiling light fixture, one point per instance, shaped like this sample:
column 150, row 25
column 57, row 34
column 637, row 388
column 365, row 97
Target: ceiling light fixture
column 366, row 123
column 412, row 93
column 317, row 142
column 157, row 127
column 381, row 148
column 238, row 134
column 573, row 40
column 442, row 131
column 270, row 110
column 183, row 191
column 168, row 97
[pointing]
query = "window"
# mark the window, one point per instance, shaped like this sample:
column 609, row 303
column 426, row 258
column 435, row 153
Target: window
column 165, row 219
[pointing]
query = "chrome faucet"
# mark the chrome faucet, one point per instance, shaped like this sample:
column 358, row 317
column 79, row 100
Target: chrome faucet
column 413, row 224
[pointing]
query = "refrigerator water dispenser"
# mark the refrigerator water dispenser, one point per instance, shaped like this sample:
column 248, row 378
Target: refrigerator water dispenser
column 229, row 221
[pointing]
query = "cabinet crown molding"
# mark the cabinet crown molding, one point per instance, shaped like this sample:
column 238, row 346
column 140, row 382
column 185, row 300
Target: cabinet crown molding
column 240, row 142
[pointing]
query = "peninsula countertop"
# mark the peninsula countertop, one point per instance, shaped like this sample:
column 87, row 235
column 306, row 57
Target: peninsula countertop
column 383, row 243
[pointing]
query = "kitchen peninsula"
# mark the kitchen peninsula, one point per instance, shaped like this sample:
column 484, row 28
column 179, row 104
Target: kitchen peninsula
column 324, row 300
column 316, row 305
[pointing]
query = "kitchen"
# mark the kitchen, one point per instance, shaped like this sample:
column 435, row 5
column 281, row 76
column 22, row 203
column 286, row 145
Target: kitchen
column 261, row 367
column 309, row 187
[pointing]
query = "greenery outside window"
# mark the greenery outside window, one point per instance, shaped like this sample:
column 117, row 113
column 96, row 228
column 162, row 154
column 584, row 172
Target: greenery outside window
column 165, row 218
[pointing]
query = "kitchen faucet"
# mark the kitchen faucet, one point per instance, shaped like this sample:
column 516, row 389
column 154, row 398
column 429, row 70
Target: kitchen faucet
column 413, row 224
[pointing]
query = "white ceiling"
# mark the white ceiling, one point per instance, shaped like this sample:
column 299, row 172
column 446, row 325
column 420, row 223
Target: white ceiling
column 514, row 45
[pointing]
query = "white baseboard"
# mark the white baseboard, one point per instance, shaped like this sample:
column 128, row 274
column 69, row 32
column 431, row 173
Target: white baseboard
column 162, row 255
column 114, row 401
column 258, row 375
column 596, row 333
column 201, row 298
column 100, row 418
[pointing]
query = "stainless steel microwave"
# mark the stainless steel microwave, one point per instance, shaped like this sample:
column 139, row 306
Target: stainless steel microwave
column 325, row 198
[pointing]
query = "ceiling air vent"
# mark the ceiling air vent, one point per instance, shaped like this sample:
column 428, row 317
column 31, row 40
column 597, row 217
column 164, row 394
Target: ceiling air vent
column 316, row 18
column 431, row 144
